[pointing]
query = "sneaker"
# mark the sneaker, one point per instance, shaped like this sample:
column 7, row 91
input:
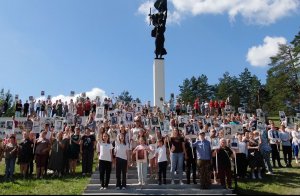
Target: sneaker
column 296, row 161
column 181, row 183
column 123, row 188
column 117, row 188
column 269, row 173
column 139, row 183
column 101, row 188
column 172, row 182
column 105, row 188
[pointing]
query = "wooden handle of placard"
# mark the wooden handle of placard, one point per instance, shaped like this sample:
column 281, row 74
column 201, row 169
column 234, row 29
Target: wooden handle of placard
column 217, row 162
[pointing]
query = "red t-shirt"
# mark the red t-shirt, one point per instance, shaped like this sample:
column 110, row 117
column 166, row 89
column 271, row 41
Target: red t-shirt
column 222, row 104
column 216, row 104
column 211, row 104
column 79, row 109
column 196, row 105
column 87, row 106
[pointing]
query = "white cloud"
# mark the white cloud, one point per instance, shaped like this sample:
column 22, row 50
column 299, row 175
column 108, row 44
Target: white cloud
column 262, row 12
column 91, row 94
column 259, row 56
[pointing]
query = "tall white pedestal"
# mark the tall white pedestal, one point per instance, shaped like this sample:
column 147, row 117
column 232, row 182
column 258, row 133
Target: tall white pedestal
column 158, row 81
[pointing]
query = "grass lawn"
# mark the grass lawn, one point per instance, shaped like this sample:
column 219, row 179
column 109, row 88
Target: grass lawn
column 68, row 185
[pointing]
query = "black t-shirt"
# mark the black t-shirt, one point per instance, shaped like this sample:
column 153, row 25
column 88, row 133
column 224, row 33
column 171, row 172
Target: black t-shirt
column 19, row 107
column 224, row 157
column 25, row 150
column 177, row 142
column 87, row 143
column 26, row 106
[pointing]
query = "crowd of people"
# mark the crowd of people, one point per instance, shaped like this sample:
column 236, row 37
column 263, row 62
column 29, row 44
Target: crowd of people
column 123, row 145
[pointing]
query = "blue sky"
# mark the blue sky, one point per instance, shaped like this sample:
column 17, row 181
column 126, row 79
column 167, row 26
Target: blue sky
column 59, row 46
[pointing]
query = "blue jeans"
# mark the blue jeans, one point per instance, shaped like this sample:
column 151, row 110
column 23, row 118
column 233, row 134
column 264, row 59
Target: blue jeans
column 10, row 167
column 266, row 158
column 176, row 160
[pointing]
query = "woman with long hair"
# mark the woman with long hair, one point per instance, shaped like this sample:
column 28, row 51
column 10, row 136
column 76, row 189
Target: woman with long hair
column 122, row 155
column 178, row 153
column 104, row 151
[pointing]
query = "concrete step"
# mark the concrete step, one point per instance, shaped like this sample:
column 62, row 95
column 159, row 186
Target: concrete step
column 134, row 181
column 157, row 190
column 130, row 175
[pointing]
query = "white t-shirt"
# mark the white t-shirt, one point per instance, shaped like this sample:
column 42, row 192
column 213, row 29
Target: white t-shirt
column 121, row 150
column 104, row 150
column 162, row 154
column 48, row 136
column 296, row 137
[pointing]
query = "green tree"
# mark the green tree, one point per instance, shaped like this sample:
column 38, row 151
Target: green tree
column 125, row 96
column 249, row 86
column 229, row 87
column 7, row 107
column 282, row 80
column 194, row 88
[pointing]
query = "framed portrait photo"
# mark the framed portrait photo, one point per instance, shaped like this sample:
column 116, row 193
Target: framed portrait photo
column 215, row 143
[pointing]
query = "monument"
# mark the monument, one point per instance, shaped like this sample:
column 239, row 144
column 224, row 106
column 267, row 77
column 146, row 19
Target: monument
column 158, row 20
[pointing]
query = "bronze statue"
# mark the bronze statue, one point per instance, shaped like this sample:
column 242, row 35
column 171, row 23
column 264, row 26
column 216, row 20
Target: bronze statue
column 159, row 22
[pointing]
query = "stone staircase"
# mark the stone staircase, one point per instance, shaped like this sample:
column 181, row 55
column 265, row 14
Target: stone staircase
column 152, row 187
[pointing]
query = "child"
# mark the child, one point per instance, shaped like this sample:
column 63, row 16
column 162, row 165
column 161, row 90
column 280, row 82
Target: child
column 10, row 150
column 161, row 156
column 151, row 157
column 141, row 158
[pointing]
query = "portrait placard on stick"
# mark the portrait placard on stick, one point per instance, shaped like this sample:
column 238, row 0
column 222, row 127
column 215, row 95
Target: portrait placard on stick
column 290, row 121
column 261, row 126
column 42, row 93
column 2, row 124
column 114, row 120
column 70, row 119
column 2, row 133
column 234, row 143
column 236, row 129
column 58, row 125
column 28, row 125
column 129, row 117
column 228, row 109
column 282, row 116
column 166, row 130
column 99, row 113
column 36, row 127
column 215, row 143
column 241, row 110
column 227, row 131
column 190, row 131
column 9, row 125
column 154, row 121
column 72, row 93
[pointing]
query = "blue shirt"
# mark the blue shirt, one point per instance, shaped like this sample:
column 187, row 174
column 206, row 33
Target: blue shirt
column 285, row 138
column 203, row 150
